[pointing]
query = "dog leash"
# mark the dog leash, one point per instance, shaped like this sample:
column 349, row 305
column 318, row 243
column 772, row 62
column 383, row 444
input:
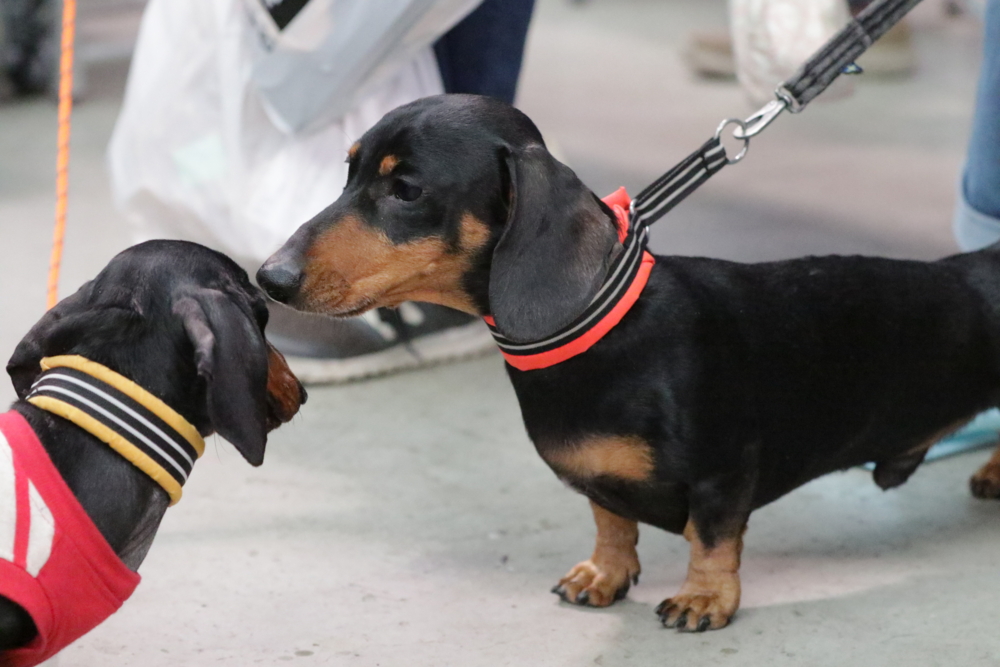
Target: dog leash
column 62, row 153
column 836, row 57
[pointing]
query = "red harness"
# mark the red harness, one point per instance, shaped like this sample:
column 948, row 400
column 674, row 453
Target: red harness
column 53, row 560
column 583, row 333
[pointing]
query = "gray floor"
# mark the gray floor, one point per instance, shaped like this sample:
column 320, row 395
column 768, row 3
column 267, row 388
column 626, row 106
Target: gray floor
column 407, row 521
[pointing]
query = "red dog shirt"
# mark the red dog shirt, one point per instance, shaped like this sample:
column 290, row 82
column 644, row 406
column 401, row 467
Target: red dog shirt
column 53, row 560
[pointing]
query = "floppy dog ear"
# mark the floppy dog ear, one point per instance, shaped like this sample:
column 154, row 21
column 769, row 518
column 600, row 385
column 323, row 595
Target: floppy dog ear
column 232, row 358
column 42, row 340
column 554, row 252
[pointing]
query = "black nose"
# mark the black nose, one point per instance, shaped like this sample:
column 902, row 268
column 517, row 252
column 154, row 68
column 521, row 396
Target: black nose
column 280, row 279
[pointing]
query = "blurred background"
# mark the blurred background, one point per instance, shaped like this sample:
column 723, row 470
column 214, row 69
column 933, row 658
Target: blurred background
column 611, row 86
column 407, row 520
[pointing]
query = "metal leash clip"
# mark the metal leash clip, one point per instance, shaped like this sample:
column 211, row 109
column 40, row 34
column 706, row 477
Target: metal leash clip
column 752, row 126
column 745, row 138
column 756, row 123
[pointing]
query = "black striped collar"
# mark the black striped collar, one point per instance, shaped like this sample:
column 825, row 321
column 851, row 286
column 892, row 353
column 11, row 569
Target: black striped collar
column 133, row 422
column 625, row 280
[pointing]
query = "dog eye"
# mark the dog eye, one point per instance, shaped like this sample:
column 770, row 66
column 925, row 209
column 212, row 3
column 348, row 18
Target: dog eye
column 405, row 191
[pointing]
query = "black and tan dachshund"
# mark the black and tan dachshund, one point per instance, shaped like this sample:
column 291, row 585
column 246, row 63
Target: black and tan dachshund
column 184, row 323
column 724, row 387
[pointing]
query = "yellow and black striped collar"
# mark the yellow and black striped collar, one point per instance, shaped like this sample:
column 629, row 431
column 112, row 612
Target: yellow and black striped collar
column 117, row 411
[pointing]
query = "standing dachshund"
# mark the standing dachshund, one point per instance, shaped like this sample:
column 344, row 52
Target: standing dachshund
column 183, row 323
column 723, row 387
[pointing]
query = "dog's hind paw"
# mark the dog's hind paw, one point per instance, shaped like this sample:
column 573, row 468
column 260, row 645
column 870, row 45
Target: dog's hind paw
column 986, row 482
column 598, row 585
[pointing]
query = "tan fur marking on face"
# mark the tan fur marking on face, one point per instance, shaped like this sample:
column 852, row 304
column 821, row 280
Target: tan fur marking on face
column 284, row 392
column 612, row 568
column 352, row 152
column 474, row 233
column 711, row 592
column 388, row 163
column 623, row 457
column 352, row 267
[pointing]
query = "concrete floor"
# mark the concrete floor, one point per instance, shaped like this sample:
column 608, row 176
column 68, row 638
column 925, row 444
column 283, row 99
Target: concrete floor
column 408, row 521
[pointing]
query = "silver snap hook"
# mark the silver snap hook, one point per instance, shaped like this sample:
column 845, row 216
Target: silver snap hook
column 746, row 140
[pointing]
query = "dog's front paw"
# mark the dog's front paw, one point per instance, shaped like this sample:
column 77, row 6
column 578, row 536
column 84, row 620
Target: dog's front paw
column 697, row 612
column 986, row 482
column 599, row 583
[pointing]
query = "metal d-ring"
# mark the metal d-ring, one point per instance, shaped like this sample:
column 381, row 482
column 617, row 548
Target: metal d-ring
column 746, row 139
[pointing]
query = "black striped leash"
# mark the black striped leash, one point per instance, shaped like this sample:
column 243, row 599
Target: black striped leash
column 836, row 57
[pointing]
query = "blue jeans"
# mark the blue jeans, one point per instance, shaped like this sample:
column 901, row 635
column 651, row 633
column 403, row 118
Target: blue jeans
column 482, row 53
column 977, row 214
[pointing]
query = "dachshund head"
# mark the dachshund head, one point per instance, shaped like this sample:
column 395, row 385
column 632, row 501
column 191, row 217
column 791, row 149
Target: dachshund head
column 185, row 323
column 453, row 200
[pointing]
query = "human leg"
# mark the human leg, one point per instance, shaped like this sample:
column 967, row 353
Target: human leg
column 482, row 54
column 977, row 214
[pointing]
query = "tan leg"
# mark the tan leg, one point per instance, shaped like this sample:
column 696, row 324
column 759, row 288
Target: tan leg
column 614, row 565
column 986, row 482
column 711, row 593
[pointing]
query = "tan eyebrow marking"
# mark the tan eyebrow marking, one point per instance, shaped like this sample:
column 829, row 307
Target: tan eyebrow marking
column 388, row 163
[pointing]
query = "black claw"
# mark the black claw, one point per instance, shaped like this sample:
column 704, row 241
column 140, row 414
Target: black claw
column 557, row 589
column 583, row 597
column 635, row 579
column 662, row 607
column 682, row 621
column 621, row 593
column 703, row 624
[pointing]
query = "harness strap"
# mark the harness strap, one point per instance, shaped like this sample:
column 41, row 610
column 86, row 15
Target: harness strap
column 139, row 426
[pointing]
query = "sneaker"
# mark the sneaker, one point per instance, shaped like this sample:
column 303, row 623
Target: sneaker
column 324, row 350
column 982, row 431
column 710, row 55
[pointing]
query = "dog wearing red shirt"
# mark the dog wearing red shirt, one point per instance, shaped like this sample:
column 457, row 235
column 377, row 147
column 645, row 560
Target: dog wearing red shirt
column 117, row 385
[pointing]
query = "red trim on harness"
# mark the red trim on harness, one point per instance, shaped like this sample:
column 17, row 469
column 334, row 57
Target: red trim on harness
column 81, row 581
column 619, row 202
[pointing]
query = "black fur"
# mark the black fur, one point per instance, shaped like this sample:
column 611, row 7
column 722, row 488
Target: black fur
column 185, row 323
column 747, row 380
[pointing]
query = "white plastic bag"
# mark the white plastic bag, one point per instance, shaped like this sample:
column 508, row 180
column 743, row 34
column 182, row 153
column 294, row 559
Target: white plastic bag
column 773, row 38
column 194, row 154
column 314, row 68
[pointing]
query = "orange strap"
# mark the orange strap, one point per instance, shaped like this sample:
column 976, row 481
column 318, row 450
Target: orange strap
column 62, row 155
column 619, row 202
